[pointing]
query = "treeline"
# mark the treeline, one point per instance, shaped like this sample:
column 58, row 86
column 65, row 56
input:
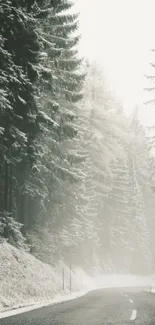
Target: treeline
column 71, row 180
column 121, row 170
column 41, row 83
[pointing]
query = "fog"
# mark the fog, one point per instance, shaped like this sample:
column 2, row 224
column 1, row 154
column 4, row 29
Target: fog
column 77, row 146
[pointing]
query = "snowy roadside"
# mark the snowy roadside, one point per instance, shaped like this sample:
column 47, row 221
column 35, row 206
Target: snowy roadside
column 36, row 305
column 102, row 281
column 26, row 283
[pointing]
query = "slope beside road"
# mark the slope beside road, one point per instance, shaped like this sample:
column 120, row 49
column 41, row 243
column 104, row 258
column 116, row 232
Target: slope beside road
column 26, row 281
column 99, row 307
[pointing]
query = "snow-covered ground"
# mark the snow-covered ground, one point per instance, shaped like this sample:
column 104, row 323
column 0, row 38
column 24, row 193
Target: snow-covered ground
column 26, row 283
column 24, row 280
column 35, row 305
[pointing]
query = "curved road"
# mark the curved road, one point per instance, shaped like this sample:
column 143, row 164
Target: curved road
column 100, row 307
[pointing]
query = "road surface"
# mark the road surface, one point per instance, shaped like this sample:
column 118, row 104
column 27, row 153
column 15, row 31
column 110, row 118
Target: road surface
column 99, row 307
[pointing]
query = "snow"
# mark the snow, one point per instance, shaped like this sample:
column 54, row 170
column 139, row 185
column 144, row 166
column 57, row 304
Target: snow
column 26, row 283
column 27, row 307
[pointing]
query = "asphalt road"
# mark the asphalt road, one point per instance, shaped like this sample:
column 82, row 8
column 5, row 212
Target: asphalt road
column 99, row 307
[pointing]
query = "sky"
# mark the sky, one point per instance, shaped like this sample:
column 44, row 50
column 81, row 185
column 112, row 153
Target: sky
column 119, row 34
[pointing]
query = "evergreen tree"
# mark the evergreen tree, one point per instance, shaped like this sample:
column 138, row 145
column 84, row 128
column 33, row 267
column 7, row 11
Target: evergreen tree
column 38, row 97
column 20, row 46
column 60, row 93
column 119, row 213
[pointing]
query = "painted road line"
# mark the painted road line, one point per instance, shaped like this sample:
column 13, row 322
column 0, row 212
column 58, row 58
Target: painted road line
column 131, row 301
column 134, row 314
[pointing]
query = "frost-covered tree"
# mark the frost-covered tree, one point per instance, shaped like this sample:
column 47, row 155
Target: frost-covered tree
column 41, row 83
column 60, row 93
column 19, row 125
column 119, row 168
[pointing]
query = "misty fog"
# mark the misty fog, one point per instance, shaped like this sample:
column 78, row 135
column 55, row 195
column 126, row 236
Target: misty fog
column 77, row 147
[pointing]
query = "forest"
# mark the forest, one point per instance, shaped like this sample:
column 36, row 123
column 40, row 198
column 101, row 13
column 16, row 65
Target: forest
column 76, row 174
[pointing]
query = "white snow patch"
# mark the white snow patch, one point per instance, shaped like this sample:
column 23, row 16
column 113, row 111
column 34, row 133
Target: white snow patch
column 26, row 281
column 27, row 308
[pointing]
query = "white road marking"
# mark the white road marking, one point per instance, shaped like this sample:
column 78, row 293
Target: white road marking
column 131, row 301
column 125, row 295
column 134, row 314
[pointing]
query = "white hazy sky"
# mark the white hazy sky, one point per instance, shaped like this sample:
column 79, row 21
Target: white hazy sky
column 119, row 34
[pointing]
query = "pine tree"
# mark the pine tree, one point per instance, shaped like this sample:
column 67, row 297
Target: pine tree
column 57, row 162
column 20, row 124
column 37, row 40
column 115, row 180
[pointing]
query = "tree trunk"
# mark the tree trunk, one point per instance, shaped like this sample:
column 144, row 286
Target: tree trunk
column 6, row 188
column 10, row 190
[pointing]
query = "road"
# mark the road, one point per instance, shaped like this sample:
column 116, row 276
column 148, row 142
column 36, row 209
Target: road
column 99, row 307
